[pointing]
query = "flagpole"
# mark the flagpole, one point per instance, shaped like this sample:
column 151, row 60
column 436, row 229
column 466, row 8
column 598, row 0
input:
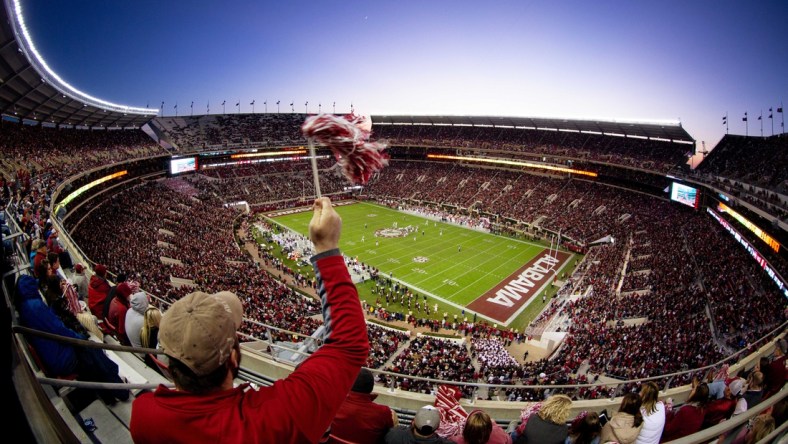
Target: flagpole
column 771, row 118
column 760, row 118
column 746, row 125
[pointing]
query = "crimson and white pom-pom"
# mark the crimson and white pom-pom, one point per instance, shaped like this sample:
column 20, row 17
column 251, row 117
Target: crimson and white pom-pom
column 348, row 138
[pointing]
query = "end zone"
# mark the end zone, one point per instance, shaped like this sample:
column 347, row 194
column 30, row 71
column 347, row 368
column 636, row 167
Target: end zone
column 507, row 300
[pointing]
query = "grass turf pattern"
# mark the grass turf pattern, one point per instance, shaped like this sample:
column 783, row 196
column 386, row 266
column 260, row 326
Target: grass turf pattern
column 461, row 263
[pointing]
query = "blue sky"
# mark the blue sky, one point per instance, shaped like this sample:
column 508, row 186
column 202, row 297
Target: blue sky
column 691, row 61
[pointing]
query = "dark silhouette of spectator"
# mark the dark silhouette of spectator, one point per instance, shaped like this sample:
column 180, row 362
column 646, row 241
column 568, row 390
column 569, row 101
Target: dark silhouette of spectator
column 359, row 419
column 60, row 359
column 775, row 372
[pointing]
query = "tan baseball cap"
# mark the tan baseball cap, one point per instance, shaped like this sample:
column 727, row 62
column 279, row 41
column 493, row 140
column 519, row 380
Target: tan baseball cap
column 199, row 329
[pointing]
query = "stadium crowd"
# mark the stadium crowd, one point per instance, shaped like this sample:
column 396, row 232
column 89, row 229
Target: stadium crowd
column 176, row 232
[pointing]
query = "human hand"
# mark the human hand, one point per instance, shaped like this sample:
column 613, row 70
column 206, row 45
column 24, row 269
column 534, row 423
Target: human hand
column 325, row 226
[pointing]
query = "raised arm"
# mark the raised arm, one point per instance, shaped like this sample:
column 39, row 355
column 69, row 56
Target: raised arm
column 320, row 384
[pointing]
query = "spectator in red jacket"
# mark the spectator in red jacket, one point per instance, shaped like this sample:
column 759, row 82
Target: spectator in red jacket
column 689, row 418
column 98, row 289
column 116, row 318
column 360, row 419
column 198, row 334
column 775, row 371
column 721, row 409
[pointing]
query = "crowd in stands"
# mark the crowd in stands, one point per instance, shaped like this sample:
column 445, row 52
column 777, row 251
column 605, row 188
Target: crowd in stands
column 675, row 261
column 433, row 358
column 650, row 275
column 289, row 165
column 186, row 238
column 580, row 210
column 732, row 158
column 192, row 133
column 640, row 153
column 264, row 186
column 737, row 290
column 46, row 156
column 757, row 161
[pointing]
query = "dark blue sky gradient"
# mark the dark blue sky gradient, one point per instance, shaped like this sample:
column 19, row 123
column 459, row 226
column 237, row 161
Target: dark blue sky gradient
column 623, row 60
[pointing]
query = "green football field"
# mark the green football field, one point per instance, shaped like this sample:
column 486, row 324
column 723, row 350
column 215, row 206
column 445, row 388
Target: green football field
column 451, row 263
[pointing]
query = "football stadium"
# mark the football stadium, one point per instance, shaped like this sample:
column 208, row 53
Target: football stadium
column 496, row 266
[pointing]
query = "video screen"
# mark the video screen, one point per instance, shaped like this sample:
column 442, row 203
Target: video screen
column 684, row 195
column 183, row 165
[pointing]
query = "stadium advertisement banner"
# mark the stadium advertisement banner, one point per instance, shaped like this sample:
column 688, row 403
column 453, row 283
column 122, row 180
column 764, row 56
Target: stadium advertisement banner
column 767, row 268
column 507, row 300
column 770, row 241
column 684, row 194
column 183, row 165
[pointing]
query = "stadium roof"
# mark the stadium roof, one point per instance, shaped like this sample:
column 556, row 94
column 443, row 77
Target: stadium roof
column 30, row 90
column 667, row 131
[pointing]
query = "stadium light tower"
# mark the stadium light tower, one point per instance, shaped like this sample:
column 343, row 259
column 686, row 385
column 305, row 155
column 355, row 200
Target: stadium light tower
column 265, row 104
column 306, row 107
column 277, row 106
column 224, row 111
column 252, row 106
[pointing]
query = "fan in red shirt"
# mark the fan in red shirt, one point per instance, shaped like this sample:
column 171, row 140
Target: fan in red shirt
column 198, row 334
